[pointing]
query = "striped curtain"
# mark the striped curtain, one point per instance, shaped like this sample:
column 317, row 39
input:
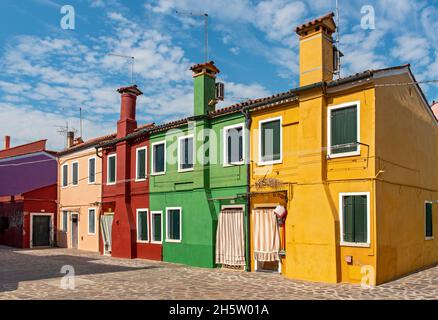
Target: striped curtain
column 266, row 235
column 230, row 242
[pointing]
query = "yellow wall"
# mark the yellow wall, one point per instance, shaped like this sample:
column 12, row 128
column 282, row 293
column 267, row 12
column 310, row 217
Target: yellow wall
column 78, row 199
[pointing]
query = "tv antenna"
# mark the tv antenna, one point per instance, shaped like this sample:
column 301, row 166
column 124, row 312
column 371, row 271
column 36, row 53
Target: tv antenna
column 205, row 16
column 338, row 41
column 131, row 59
column 63, row 131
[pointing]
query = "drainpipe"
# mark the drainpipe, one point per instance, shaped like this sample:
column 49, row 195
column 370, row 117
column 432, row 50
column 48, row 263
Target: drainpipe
column 245, row 112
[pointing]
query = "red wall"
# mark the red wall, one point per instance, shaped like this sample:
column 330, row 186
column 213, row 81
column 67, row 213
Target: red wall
column 13, row 236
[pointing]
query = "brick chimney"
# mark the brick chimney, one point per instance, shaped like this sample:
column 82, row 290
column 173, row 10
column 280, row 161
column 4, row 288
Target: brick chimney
column 127, row 123
column 204, row 76
column 316, row 50
column 7, row 142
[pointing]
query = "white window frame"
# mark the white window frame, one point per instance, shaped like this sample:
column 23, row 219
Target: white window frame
column 63, row 175
column 225, row 145
column 72, row 180
column 108, row 183
column 88, row 221
column 329, row 129
column 145, row 148
column 95, row 166
column 147, row 223
column 153, row 158
column 341, row 220
column 179, row 153
column 261, row 122
column 64, row 228
column 180, row 225
column 161, row 226
column 425, row 221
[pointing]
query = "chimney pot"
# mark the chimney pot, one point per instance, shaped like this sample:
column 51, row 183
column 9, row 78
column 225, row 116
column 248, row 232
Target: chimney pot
column 70, row 138
column 7, row 144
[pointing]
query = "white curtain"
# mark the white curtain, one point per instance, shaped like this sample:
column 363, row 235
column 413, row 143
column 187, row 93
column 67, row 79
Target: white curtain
column 106, row 222
column 266, row 235
column 230, row 240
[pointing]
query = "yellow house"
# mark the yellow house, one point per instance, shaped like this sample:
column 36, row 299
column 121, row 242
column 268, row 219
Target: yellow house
column 80, row 194
column 353, row 161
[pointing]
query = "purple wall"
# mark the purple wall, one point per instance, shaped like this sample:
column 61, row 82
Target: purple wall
column 25, row 173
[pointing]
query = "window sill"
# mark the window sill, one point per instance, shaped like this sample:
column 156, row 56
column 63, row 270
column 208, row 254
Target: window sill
column 269, row 163
column 92, row 234
column 110, row 183
column 227, row 165
column 343, row 155
column 185, row 170
column 143, row 241
column 173, row 241
column 157, row 242
column 140, row 180
column 429, row 238
column 355, row 245
column 158, row 173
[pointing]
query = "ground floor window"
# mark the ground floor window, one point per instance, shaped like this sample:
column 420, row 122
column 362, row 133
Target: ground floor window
column 91, row 221
column 64, row 221
column 173, row 225
column 142, row 225
column 156, row 227
column 428, row 212
column 354, row 218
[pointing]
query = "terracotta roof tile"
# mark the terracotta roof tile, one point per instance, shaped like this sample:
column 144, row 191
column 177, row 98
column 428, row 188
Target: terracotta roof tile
column 315, row 21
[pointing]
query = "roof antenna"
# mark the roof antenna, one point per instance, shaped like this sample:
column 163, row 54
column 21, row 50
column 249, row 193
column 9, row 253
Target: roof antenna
column 338, row 41
column 205, row 15
column 63, row 131
column 80, row 120
column 132, row 60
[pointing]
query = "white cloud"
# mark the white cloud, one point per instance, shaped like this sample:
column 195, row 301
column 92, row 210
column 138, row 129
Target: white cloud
column 411, row 47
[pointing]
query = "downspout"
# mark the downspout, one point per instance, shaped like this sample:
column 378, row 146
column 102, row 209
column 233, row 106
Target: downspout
column 245, row 112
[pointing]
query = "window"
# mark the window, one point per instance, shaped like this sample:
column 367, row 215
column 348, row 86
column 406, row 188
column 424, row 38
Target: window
column 159, row 157
column 4, row 223
column 156, row 227
column 64, row 221
column 92, row 221
column 270, row 141
column 65, row 175
column 354, row 219
column 75, row 173
column 343, row 130
column 185, row 153
column 429, row 228
column 141, row 164
column 233, row 145
column 92, row 170
column 173, row 225
column 111, row 174
column 142, row 225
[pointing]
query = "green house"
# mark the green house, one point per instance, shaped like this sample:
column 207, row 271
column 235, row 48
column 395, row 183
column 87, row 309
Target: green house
column 198, row 168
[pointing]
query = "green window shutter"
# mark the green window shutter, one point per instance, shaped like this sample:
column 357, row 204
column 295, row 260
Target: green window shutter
column 360, row 219
column 141, row 164
column 159, row 158
column 348, row 217
column 92, row 170
column 343, row 129
column 65, row 176
column 429, row 229
column 229, row 149
column 271, row 140
column 156, row 220
column 142, row 232
column 174, row 224
column 75, row 174
column 112, row 169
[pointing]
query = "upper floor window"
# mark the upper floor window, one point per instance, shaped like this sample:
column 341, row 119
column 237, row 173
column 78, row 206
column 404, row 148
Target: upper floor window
column 159, row 157
column 429, row 225
column 111, row 170
column 233, row 145
column 354, row 218
column 141, row 164
column 75, row 173
column 270, row 141
column 185, row 153
column 65, row 175
column 92, row 170
column 344, row 130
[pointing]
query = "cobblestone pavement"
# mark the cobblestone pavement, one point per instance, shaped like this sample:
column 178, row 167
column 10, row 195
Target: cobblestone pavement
column 35, row 274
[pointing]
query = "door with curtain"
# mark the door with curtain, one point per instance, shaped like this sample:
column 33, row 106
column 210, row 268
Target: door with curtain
column 106, row 224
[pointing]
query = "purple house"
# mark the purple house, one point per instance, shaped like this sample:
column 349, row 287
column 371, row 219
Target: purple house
column 28, row 194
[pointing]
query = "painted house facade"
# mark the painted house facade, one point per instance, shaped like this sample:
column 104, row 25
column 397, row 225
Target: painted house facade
column 359, row 187
column 28, row 195
column 80, row 194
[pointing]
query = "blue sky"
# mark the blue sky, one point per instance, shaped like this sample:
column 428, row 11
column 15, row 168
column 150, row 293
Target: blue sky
column 47, row 73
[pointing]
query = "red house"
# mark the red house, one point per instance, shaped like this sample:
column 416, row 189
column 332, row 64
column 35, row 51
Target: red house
column 125, row 185
column 28, row 195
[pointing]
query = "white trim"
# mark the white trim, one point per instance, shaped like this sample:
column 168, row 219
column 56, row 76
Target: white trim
column 161, row 226
column 261, row 122
column 51, row 231
column 147, row 224
column 230, row 206
column 153, row 158
column 145, row 148
column 425, row 222
column 88, row 221
column 225, row 145
column 341, row 220
column 63, row 176
column 329, row 126
column 71, row 228
column 180, row 224
column 95, row 166
column 107, row 169
column 179, row 153
column 72, row 180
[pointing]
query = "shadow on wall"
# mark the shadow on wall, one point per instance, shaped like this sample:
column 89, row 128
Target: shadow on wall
column 24, row 265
